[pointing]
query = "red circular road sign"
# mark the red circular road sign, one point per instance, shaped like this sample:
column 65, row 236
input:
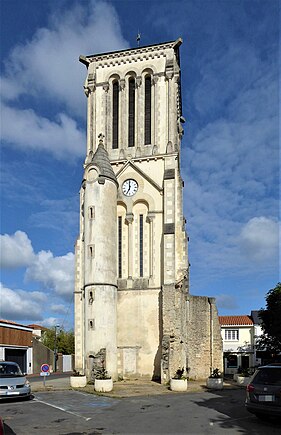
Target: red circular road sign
column 45, row 368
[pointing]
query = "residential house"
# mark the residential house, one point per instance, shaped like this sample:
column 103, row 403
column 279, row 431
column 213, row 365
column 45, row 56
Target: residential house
column 16, row 344
column 238, row 342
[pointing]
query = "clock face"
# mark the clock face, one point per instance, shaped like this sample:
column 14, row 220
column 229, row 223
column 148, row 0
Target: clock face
column 130, row 187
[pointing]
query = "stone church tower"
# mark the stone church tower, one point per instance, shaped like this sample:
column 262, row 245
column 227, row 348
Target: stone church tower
column 133, row 311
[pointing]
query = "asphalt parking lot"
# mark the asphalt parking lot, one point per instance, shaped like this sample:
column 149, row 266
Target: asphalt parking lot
column 74, row 412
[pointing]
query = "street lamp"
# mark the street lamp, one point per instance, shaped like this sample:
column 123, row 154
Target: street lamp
column 55, row 349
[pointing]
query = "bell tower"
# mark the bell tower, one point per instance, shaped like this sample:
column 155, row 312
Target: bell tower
column 134, row 100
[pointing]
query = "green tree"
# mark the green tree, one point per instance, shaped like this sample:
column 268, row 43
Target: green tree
column 271, row 322
column 65, row 340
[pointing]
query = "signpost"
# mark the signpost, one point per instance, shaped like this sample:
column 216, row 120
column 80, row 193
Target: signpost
column 45, row 371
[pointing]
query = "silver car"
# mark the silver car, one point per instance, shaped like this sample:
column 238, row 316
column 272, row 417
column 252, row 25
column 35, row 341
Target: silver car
column 12, row 382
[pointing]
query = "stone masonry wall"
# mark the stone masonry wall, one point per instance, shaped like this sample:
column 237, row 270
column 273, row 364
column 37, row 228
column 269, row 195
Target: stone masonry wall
column 174, row 339
column 204, row 338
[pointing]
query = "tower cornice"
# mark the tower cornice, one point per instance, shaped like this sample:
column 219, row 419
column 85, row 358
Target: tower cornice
column 86, row 60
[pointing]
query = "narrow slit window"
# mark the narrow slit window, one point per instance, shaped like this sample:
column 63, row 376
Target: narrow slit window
column 131, row 120
column 91, row 323
column 91, row 212
column 141, row 245
column 91, row 297
column 147, row 111
column 91, row 250
column 115, row 114
column 119, row 246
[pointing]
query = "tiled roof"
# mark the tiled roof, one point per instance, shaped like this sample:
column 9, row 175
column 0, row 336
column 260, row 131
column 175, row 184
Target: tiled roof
column 34, row 326
column 9, row 322
column 235, row 320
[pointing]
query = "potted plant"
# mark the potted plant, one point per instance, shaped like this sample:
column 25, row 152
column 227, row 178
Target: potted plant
column 215, row 380
column 78, row 380
column 103, row 381
column 243, row 378
column 179, row 381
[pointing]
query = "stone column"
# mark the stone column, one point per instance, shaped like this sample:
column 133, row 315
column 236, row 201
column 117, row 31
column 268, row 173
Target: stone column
column 122, row 114
column 89, row 89
column 129, row 220
column 139, row 140
column 150, row 218
column 154, row 109
column 106, row 112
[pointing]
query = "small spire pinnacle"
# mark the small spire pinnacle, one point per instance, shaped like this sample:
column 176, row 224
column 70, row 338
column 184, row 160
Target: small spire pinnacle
column 138, row 38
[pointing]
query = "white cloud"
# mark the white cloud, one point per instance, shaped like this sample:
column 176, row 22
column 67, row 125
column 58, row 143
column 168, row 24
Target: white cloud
column 231, row 166
column 26, row 130
column 49, row 322
column 20, row 304
column 48, row 65
column 16, row 250
column 56, row 273
column 46, row 68
column 259, row 239
column 58, row 308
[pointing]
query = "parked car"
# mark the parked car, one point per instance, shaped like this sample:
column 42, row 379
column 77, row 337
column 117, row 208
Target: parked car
column 13, row 383
column 263, row 397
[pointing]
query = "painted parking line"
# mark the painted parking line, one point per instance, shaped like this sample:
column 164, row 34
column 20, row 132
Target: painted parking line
column 75, row 403
column 61, row 409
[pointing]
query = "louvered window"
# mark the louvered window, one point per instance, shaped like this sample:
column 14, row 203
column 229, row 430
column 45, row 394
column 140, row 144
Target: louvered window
column 115, row 115
column 131, row 120
column 147, row 111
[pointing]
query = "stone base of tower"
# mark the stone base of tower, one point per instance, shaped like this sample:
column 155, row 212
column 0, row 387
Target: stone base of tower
column 138, row 333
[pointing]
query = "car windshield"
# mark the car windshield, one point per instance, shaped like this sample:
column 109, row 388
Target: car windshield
column 9, row 370
column 269, row 376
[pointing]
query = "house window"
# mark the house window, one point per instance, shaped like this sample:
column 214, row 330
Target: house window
column 131, row 120
column 119, row 246
column 147, row 111
column 115, row 114
column 231, row 335
column 141, row 245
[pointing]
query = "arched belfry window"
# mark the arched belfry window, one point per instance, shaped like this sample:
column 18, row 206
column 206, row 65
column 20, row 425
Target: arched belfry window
column 131, row 113
column 147, row 110
column 115, row 114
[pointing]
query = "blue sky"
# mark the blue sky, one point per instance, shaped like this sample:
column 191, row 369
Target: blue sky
column 230, row 150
